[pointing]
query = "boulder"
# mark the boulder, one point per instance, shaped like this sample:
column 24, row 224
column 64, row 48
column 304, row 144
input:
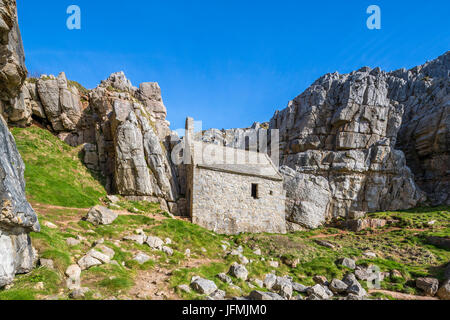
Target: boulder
column 224, row 278
column 270, row 280
column 319, row 291
column 154, row 242
column 17, row 217
column 204, row 286
column 238, row 271
column 141, row 258
column 88, row 261
column 429, row 286
column 338, row 286
column 347, row 262
column 100, row 215
column 261, row 296
column 444, row 291
column 299, row 287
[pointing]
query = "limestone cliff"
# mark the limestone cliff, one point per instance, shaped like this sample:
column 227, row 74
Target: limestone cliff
column 17, row 217
column 123, row 129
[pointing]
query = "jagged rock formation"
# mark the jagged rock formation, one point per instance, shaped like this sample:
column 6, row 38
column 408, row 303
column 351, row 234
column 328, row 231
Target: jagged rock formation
column 123, row 128
column 12, row 64
column 340, row 142
column 17, row 217
column 424, row 136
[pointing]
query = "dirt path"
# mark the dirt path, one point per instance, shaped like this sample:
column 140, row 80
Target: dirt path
column 154, row 284
column 402, row 296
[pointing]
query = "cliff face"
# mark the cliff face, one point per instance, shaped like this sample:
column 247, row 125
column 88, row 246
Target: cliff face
column 123, row 129
column 361, row 142
column 341, row 143
column 17, row 217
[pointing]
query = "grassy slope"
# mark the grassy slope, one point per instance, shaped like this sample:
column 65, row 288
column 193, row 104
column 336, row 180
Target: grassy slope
column 49, row 162
column 54, row 174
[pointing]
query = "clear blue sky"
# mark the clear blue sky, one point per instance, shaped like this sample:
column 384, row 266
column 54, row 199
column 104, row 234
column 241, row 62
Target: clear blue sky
column 228, row 63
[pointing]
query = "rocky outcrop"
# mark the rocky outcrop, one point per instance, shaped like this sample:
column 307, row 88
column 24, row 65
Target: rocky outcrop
column 341, row 143
column 12, row 65
column 17, row 217
column 424, row 92
column 122, row 128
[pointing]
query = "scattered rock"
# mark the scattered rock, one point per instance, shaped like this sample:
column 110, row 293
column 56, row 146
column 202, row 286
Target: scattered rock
column 39, row 286
column 273, row 264
column 154, row 242
column 321, row 280
column 243, row 260
column 50, row 225
column 444, row 291
column 139, row 238
column 141, row 258
column 48, row 263
column 204, row 286
column 362, row 274
column 257, row 252
column 370, row 254
column 187, row 253
column 429, row 285
column 259, row 283
column 396, row 274
column 284, row 287
column 71, row 242
column 238, row 271
column 106, row 250
column 338, row 286
column 347, row 262
column 318, row 291
column 113, row 199
column 270, row 280
column 217, row 295
column 184, row 288
column 260, row 295
column 87, row 262
column 103, row 258
column 224, row 278
column 299, row 287
column 79, row 293
column 325, row 244
column 167, row 250
column 100, row 215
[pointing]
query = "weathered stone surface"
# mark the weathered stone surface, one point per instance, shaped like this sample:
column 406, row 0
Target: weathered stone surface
column 444, row 291
column 12, row 65
column 339, row 137
column 204, row 286
column 261, row 295
column 318, row 291
column 238, row 271
column 101, row 215
column 224, row 278
column 338, row 286
column 17, row 217
column 154, row 242
column 429, row 285
column 270, row 280
column 88, row 261
column 299, row 287
column 347, row 262
column 141, row 258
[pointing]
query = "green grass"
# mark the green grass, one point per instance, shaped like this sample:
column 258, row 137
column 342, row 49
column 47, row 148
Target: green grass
column 54, row 173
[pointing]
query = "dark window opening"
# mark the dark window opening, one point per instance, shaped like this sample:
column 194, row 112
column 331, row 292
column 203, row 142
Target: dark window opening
column 271, row 192
column 254, row 191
